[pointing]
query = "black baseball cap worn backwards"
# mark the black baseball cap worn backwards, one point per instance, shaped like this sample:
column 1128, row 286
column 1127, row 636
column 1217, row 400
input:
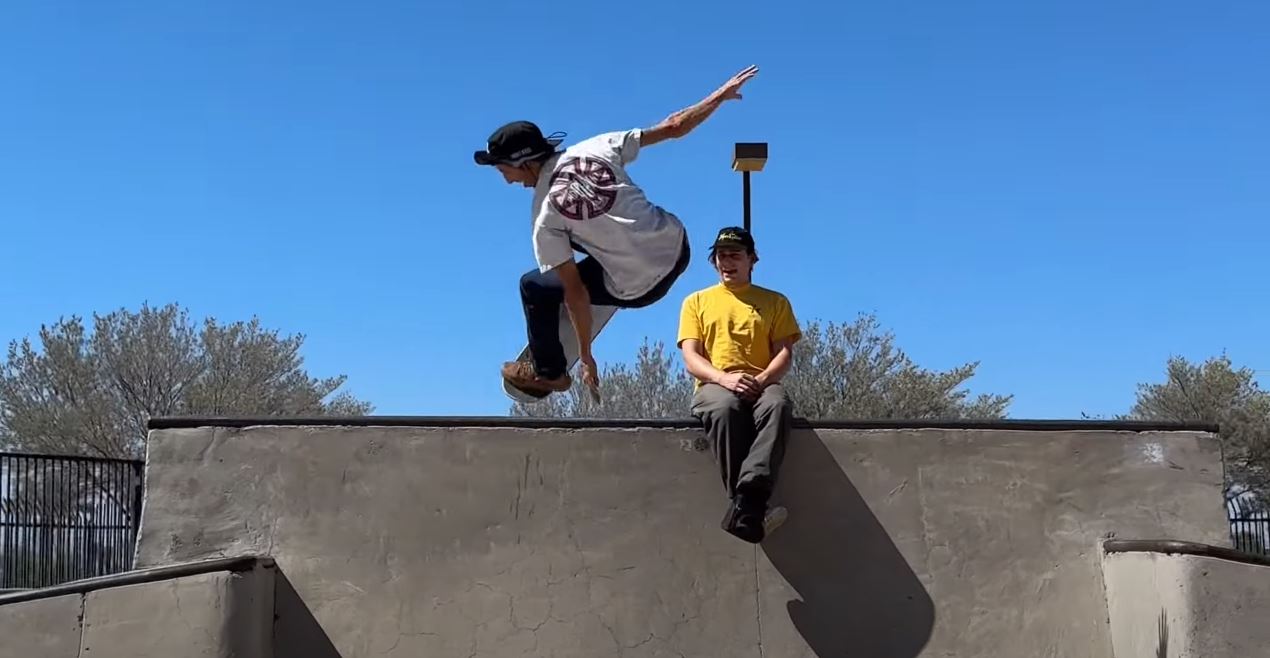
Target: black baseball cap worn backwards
column 516, row 143
column 733, row 236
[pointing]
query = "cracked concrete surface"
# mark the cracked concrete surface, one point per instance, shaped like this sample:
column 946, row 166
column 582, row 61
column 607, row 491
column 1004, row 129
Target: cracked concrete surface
column 510, row 542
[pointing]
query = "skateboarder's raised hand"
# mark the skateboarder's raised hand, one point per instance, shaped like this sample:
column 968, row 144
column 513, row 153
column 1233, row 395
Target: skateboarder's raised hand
column 684, row 121
column 732, row 88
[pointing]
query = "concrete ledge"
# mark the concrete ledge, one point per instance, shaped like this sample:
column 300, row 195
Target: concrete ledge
column 223, row 614
column 164, row 423
column 1185, row 600
column 222, row 607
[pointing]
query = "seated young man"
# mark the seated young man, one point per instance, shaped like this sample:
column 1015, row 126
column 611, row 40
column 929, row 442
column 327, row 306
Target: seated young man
column 737, row 341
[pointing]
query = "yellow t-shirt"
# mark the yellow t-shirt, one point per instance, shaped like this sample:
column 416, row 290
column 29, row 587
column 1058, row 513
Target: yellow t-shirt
column 737, row 327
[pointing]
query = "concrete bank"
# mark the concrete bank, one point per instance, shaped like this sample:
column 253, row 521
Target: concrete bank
column 408, row 537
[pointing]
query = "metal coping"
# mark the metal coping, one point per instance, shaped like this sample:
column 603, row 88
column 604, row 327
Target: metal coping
column 140, row 576
column 176, row 422
column 1184, row 548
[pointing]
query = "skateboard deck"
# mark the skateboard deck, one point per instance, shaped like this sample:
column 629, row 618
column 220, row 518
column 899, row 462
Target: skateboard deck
column 600, row 316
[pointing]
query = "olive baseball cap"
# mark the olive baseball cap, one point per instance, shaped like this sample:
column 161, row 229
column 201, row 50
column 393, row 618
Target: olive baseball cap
column 733, row 236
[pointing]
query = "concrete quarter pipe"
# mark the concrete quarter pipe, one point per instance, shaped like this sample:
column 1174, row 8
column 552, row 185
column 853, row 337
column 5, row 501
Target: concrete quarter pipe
column 484, row 537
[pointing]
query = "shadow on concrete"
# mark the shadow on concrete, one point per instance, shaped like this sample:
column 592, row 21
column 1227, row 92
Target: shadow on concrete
column 858, row 595
column 296, row 634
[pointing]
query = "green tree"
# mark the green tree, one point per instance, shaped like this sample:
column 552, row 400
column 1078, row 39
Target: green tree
column 840, row 371
column 92, row 392
column 1217, row 392
column 856, row 371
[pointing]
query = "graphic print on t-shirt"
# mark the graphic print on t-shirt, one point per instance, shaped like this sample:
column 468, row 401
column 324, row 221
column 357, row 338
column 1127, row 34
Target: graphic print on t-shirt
column 582, row 188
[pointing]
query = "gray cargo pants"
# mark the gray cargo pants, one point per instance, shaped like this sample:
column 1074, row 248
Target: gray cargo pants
column 748, row 439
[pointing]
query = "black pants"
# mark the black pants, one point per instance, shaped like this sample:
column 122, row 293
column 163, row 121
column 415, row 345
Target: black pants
column 541, row 294
column 748, row 439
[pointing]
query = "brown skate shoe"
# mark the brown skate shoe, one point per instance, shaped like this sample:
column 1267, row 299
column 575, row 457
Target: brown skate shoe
column 521, row 374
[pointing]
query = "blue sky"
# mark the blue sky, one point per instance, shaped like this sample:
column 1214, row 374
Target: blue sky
column 1068, row 192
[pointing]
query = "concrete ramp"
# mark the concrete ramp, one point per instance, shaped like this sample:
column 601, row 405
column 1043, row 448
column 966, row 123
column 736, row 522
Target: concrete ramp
column 482, row 537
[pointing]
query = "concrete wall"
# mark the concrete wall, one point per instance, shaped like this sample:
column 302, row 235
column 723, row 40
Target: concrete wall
column 218, row 614
column 506, row 542
column 1187, row 606
column 48, row 628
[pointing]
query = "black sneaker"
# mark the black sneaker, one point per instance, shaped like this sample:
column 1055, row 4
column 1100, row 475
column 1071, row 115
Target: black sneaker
column 744, row 522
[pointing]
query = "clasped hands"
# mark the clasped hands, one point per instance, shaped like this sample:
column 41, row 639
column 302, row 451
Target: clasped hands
column 746, row 386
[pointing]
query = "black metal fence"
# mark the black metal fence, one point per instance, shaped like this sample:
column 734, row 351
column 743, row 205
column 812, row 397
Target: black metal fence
column 1249, row 527
column 65, row 518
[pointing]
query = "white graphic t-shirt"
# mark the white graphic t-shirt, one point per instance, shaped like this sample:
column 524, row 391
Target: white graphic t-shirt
column 585, row 195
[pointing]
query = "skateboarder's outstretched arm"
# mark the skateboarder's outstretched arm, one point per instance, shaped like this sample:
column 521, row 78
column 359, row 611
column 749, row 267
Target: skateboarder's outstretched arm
column 682, row 122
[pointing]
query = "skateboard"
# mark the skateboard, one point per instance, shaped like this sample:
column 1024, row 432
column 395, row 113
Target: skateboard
column 600, row 316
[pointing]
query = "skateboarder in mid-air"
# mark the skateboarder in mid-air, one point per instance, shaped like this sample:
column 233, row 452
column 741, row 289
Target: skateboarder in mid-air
column 737, row 341
column 585, row 200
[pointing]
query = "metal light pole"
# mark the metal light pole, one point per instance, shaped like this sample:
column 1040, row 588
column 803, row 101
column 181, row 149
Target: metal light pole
column 748, row 157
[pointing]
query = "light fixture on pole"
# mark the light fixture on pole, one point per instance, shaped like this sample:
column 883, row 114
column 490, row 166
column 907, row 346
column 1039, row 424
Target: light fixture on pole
column 748, row 157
